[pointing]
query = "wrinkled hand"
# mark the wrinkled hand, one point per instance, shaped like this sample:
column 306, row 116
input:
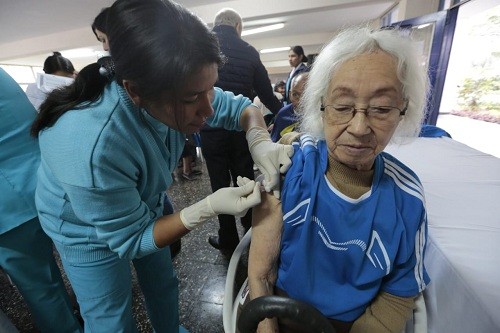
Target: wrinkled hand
column 271, row 158
column 236, row 200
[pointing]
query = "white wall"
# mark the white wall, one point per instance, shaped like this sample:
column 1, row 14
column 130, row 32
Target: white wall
column 414, row 8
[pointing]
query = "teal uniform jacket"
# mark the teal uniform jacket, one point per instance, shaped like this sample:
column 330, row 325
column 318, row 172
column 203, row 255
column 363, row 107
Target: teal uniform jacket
column 19, row 156
column 104, row 170
column 26, row 253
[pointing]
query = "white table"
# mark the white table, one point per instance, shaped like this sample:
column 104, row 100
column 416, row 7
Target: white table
column 462, row 189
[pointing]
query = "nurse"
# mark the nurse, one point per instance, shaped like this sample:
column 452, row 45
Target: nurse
column 26, row 253
column 105, row 164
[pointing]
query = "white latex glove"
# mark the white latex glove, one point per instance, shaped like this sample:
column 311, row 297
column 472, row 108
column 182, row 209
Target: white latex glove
column 271, row 158
column 242, row 181
column 229, row 200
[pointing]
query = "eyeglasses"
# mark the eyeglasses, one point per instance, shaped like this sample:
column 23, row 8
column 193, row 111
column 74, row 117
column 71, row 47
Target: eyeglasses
column 342, row 114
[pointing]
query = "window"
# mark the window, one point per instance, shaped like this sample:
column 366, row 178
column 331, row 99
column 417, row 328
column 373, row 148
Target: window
column 390, row 17
column 23, row 75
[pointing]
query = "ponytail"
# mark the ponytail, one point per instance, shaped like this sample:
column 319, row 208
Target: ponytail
column 57, row 63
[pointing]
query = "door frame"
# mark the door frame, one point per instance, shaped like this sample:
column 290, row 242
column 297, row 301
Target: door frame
column 444, row 29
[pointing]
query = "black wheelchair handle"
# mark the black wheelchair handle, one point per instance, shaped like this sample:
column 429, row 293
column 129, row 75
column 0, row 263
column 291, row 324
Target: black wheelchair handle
column 282, row 307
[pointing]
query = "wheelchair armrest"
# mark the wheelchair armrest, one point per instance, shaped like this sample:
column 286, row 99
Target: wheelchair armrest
column 227, row 304
column 282, row 307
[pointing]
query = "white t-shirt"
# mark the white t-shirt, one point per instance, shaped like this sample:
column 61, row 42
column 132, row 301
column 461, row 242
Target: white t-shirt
column 45, row 83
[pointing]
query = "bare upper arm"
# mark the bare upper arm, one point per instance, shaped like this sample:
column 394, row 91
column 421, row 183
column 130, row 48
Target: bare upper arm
column 267, row 222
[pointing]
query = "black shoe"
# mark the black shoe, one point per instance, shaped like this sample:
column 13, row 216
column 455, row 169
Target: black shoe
column 214, row 241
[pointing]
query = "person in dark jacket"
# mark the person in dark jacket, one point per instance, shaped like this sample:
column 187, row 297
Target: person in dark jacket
column 226, row 152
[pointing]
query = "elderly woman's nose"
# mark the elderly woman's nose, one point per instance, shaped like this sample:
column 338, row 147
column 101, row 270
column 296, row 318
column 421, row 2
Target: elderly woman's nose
column 359, row 124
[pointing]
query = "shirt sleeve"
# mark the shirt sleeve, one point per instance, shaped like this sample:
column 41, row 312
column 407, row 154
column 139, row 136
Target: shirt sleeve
column 262, row 86
column 110, row 200
column 409, row 276
column 227, row 110
column 121, row 219
column 107, row 190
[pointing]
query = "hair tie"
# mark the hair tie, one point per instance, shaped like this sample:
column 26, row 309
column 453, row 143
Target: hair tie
column 107, row 68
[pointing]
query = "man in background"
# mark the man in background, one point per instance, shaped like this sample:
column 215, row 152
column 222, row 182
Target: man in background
column 226, row 152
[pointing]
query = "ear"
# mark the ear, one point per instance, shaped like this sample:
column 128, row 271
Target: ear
column 239, row 28
column 132, row 91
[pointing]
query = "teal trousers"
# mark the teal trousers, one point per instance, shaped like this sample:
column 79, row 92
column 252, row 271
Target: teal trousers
column 104, row 292
column 26, row 254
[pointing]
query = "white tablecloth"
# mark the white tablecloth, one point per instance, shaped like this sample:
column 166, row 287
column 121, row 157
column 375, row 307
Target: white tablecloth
column 462, row 189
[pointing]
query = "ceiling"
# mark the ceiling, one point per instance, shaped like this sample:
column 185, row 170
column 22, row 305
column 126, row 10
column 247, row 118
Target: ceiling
column 32, row 29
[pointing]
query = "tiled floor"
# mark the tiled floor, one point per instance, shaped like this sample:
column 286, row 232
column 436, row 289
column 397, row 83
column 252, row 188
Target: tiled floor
column 200, row 268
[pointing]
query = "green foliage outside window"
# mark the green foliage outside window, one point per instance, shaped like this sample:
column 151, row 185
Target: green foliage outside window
column 479, row 94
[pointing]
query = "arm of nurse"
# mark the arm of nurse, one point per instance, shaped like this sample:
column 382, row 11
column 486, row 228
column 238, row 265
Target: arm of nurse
column 227, row 200
column 169, row 228
column 251, row 117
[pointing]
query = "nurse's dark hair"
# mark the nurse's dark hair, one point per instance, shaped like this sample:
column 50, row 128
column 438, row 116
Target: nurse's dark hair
column 156, row 44
column 100, row 22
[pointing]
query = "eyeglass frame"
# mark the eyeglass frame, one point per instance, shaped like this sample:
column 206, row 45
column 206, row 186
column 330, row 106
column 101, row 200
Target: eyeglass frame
column 355, row 110
column 294, row 94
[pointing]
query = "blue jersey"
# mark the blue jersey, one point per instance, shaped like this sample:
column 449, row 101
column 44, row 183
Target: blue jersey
column 338, row 253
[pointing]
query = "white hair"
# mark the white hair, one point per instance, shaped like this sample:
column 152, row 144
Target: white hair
column 227, row 16
column 352, row 42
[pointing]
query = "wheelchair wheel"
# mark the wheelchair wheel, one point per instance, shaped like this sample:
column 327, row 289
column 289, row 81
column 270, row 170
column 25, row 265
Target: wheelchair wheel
column 282, row 307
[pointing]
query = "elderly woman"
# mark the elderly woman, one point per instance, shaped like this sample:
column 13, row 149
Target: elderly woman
column 349, row 233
